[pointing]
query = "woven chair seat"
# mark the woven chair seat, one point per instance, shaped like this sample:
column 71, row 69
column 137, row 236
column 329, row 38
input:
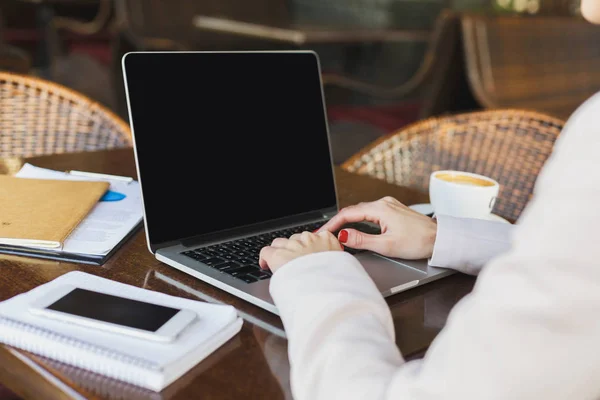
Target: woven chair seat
column 39, row 117
column 510, row 146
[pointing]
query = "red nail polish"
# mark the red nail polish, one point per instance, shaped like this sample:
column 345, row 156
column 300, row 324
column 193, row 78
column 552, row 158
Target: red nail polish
column 343, row 236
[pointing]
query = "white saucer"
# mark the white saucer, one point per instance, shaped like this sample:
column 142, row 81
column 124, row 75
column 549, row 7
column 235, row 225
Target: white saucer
column 426, row 208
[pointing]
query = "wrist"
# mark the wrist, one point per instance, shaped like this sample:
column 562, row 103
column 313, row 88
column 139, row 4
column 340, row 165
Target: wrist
column 431, row 237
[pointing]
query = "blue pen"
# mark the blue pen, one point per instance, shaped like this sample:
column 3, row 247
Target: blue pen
column 112, row 196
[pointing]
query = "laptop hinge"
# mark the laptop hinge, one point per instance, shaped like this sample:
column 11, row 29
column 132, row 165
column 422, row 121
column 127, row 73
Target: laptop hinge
column 252, row 229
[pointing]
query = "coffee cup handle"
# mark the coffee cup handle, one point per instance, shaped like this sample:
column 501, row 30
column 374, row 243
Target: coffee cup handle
column 492, row 203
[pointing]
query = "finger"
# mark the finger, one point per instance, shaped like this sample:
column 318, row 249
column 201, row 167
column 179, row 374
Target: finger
column 279, row 242
column 265, row 255
column 358, row 213
column 295, row 236
column 359, row 240
column 307, row 237
column 294, row 242
column 332, row 239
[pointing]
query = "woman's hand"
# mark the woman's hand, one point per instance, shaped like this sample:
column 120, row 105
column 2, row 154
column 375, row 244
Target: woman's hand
column 281, row 250
column 404, row 233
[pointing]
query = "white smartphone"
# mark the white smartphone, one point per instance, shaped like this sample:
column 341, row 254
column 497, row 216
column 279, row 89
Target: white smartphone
column 113, row 313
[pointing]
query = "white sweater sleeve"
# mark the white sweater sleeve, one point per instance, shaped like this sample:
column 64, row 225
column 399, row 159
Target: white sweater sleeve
column 529, row 329
column 467, row 244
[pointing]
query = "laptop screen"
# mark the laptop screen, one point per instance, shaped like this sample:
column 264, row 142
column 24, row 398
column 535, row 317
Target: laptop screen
column 225, row 140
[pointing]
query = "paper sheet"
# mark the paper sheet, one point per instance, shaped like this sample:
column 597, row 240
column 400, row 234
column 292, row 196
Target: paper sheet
column 107, row 223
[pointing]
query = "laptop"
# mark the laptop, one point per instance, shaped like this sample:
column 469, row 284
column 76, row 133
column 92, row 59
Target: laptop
column 232, row 150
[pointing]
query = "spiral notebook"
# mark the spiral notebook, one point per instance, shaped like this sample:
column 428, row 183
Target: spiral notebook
column 147, row 364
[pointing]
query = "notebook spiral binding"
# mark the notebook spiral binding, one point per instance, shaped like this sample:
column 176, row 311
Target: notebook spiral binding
column 16, row 334
column 102, row 386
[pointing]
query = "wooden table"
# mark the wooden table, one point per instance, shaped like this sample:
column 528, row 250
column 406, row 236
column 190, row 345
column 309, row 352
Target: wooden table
column 254, row 364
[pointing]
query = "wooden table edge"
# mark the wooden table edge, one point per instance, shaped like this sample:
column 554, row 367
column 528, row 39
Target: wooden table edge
column 40, row 380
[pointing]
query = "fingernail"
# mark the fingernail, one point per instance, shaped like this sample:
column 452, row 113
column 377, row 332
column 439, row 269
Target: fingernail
column 343, row 236
column 315, row 231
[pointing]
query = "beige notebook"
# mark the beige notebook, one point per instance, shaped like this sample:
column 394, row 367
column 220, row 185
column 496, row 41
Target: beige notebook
column 43, row 212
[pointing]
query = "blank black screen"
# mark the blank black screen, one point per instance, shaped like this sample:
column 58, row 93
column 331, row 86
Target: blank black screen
column 117, row 310
column 225, row 140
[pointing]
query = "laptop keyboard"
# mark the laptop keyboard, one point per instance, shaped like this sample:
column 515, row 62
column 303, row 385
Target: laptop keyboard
column 239, row 258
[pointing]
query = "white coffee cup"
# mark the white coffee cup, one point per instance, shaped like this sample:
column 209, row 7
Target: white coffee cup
column 462, row 194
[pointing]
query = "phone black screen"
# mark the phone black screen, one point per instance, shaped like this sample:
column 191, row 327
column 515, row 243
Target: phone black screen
column 114, row 309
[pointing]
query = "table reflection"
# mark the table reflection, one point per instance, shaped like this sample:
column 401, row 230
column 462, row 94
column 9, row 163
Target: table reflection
column 274, row 348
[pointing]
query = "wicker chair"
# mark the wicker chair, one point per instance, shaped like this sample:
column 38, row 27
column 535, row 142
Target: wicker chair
column 544, row 63
column 510, row 146
column 39, row 117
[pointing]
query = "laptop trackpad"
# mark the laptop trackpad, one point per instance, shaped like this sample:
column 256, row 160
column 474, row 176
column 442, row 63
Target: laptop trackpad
column 389, row 274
